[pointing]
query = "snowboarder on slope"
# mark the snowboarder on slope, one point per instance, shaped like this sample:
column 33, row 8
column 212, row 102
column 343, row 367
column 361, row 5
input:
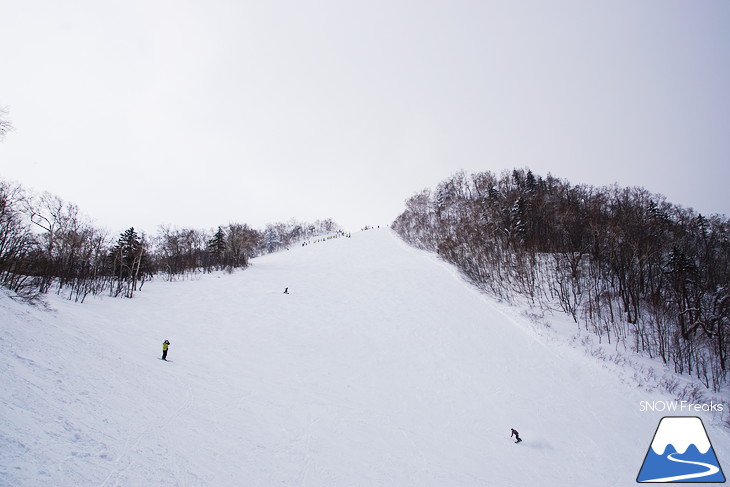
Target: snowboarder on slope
column 286, row 291
column 165, row 345
column 516, row 435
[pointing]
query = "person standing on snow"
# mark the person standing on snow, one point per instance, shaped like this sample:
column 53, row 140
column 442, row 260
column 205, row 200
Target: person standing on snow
column 516, row 435
column 165, row 345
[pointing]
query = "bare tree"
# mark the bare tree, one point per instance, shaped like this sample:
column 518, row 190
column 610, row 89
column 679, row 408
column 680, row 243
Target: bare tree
column 5, row 124
column 16, row 243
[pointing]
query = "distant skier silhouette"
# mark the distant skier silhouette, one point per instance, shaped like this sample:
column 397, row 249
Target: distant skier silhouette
column 165, row 345
column 516, row 435
column 286, row 291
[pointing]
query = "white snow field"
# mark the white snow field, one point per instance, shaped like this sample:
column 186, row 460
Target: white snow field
column 382, row 367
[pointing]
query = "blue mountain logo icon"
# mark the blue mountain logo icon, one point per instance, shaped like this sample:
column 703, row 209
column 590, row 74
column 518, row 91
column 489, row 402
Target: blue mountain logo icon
column 681, row 452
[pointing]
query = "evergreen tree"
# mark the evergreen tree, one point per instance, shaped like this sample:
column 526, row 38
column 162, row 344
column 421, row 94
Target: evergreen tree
column 518, row 218
column 272, row 239
column 531, row 182
column 129, row 262
column 217, row 247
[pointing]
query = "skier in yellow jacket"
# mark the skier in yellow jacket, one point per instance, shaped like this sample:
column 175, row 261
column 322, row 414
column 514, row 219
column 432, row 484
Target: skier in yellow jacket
column 165, row 345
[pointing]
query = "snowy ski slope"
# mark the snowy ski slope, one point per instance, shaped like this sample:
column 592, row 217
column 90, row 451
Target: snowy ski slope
column 380, row 368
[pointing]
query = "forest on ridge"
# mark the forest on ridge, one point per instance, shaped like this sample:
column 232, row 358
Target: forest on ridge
column 625, row 264
column 48, row 245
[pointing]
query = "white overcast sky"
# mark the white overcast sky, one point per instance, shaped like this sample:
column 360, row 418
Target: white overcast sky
column 200, row 113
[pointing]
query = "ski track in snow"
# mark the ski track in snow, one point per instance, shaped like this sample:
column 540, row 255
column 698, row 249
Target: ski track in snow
column 123, row 462
column 381, row 367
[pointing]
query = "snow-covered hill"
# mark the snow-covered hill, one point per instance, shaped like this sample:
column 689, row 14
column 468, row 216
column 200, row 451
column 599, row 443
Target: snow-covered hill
column 381, row 367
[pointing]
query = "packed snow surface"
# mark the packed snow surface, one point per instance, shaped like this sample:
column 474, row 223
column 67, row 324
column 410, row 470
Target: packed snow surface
column 381, row 367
